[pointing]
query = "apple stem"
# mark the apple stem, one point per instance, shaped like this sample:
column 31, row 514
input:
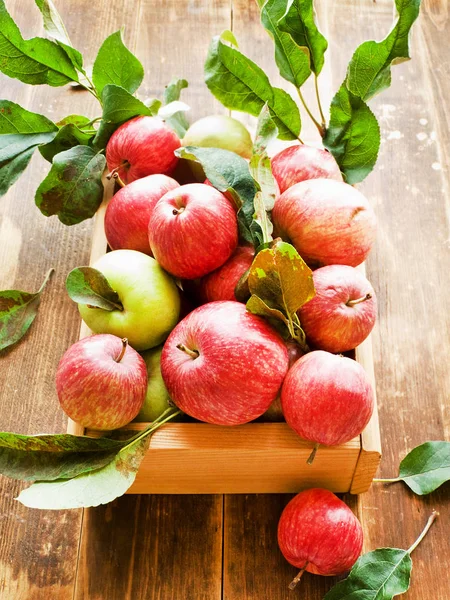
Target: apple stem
column 368, row 296
column 117, row 178
column 192, row 353
column 112, row 173
column 312, row 456
column 122, row 352
column 429, row 523
column 178, row 211
column 297, row 578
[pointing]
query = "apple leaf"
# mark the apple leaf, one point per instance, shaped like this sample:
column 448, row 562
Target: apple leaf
column 260, row 167
column 292, row 61
column 172, row 93
column 86, row 285
column 116, row 64
column 50, row 457
column 369, row 71
column 17, row 312
column 264, row 228
column 68, row 136
column 79, row 120
column 353, row 135
column 35, row 61
column 299, row 22
column 229, row 173
column 119, row 106
column 21, row 131
column 240, row 84
column 73, row 189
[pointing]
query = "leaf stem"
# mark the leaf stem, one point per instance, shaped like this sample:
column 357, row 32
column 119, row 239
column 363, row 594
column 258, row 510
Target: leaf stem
column 320, row 128
column 387, row 480
column 319, row 104
column 152, row 427
column 429, row 523
column 47, row 277
column 90, row 122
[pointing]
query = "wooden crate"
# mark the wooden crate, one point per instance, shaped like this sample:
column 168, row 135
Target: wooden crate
column 197, row 458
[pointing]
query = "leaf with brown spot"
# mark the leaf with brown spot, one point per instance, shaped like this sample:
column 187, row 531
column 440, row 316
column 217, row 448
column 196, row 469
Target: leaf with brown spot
column 86, row 285
column 73, row 189
column 17, row 312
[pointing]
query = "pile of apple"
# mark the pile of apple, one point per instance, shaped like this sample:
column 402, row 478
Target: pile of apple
column 177, row 246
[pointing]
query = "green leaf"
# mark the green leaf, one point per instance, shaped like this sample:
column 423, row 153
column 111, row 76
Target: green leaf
column 116, row 64
column 241, row 85
column 73, row 189
column 378, row 575
column 17, row 312
column 86, row 285
column 172, row 93
column 299, row 22
column 261, row 218
column 67, row 137
column 260, row 166
column 21, row 131
column 50, row 457
column 118, row 106
column 369, row 71
column 353, row 135
column 292, row 60
column 426, row 467
column 89, row 489
column 229, row 173
column 79, row 120
column 54, row 26
column 35, row 61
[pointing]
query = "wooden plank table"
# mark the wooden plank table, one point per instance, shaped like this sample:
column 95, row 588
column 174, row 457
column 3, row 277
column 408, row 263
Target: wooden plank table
column 211, row 547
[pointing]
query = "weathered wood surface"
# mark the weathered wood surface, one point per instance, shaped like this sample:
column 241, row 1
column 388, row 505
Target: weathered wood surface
column 170, row 547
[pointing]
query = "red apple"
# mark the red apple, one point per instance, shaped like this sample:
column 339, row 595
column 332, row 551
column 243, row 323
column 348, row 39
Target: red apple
column 193, row 230
column 328, row 222
column 220, row 284
column 140, row 147
column 318, row 533
column 327, row 399
column 299, row 163
column 342, row 313
column 223, row 365
column 101, row 382
column 128, row 212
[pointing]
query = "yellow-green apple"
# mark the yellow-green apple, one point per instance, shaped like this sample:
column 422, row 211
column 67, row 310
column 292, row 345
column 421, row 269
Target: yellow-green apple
column 223, row 365
column 220, row 131
column 328, row 222
column 157, row 399
column 193, row 230
column 128, row 212
column 221, row 283
column 342, row 313
column 318, row 533
column 140, row 147
column 101, row 382
column 327, row 398
column 299, row 163
column 150, row 299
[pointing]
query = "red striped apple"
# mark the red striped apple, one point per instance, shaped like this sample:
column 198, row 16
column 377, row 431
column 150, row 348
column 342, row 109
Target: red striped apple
column 129, row 210
column 328, row 222
column 193, row 230
column 140, row 147
column 101, row 382
column 299, row 163
column 223, row 365
column 318, row 533
column 342, row 313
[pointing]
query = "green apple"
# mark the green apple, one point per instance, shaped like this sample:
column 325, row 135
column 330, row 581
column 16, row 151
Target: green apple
column 150, row 299
column 220, row 131
column 157, row 399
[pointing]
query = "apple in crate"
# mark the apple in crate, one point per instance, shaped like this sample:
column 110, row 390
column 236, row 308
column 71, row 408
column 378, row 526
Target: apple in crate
column 318, row 533
column 157, row 399
column 101, row 382
column 150, row 299
column 220, row 131
column 129, row 210
column 299, row 163
column 140, row 147
column 223, row 365
column 193, row 230
column 342, row 313
column 327, row 398
column 328, row 222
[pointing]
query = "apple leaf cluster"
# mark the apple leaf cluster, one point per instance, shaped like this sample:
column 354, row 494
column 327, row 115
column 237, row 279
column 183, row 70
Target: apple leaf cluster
column 75, row 145
column 352, row 134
